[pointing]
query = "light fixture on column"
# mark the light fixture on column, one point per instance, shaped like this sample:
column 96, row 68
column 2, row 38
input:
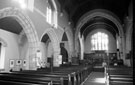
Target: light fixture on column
column 61, row 14
column 69, row 22
column 61, row 11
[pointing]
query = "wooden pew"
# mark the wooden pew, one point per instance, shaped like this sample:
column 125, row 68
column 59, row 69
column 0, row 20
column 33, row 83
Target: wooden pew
column 127, row 76
column 121, row 79
column 66, row 77
column 120, row 71
column 72, row 75
column 79, row 74
column 120, row 83
column 120, row 75
column 33, row 79
column 3, row 82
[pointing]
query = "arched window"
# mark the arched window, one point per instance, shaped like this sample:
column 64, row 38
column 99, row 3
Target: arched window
column 99, row 41
column 51, row 14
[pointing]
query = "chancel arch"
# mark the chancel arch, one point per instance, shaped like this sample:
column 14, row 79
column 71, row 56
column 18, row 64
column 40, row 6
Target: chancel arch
column 105, row 14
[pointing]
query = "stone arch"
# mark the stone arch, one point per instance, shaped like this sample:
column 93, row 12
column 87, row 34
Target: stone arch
column 2, row 41
column 55, row 42
column 52, row 35
column 55, row 5
column 28, row 28
column 105, row 14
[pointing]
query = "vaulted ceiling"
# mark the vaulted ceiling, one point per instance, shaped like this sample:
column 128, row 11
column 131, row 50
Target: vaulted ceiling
column 76, row 8
column 10, row 24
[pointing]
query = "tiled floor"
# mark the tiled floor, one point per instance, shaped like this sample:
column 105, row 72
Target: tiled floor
column 95, row 78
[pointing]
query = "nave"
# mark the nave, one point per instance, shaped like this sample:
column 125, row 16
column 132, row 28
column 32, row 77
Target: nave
column 70, row 75
column 95, row 78
column 66, row 42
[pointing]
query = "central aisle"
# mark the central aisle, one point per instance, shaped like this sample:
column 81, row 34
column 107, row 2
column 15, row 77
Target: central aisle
column 95, row 78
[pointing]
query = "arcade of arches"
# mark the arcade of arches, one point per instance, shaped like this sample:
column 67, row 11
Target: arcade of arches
column 29, row 40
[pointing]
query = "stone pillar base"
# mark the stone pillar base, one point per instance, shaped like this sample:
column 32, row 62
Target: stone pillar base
column 75, row 61
column 56, row 60
column 32, row 63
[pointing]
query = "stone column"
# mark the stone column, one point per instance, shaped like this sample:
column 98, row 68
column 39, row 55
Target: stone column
column 32, row 58
column 55, row 58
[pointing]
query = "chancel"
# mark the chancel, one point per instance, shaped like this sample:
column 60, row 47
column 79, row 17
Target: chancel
column 66, row 42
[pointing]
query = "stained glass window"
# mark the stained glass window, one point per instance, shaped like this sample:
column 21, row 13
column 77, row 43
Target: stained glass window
column 49, row 15
column 99, row 41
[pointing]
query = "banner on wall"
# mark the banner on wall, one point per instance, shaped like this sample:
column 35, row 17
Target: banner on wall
column 12, row 63
column 38, row 58
column 60, row 59
column 24, row 62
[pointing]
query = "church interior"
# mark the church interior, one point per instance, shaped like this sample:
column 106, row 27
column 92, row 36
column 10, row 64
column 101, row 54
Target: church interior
column 66, row 42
